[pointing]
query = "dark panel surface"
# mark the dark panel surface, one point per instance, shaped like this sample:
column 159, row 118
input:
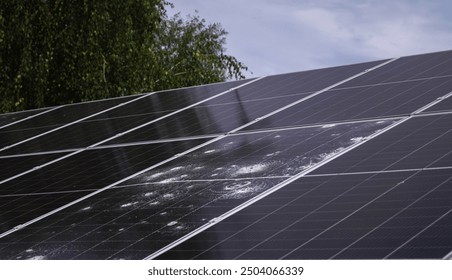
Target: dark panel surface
column 317, row 217
column 130, row 221
column 95, row 167
column 444, row 105
column 275, row 214
column 17, row 116
column 88, row 170
column 15, row 210
column 298, row 83
column 79, row 135
column 408, row 68
column 236, row 111
column 419, row 142
column 55, row 118
column 237, row 156
column 394, row 203
column 232, row 110
column 421, row 201
column 263, row 154
column 201, row 120
column 69, row 113
column 432, row 241
column 108, row 124
column 15, row 165
column 364, row 102
column 206, row 120
column 170, row 100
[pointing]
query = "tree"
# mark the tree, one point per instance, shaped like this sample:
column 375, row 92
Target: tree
column 192, row 52
column 63, row 51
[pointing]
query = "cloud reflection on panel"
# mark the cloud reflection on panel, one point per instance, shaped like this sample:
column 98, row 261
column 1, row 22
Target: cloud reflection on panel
column 281, row 153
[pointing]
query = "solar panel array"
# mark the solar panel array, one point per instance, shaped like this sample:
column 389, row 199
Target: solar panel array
column 349, row 162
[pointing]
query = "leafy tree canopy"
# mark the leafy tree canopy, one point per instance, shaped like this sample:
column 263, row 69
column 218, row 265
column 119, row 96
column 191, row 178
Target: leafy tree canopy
column 64, row 51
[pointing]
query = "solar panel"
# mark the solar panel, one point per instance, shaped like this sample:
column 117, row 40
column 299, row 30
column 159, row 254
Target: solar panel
column 349, row 162
column 275, row 225
column 54, row 118
column 356, row 216
column 234, row 157
column 267, row 153
column 422, row 66
column 443, row 105
column 420, row 142
column 16, row 164
column 9, row 119
column 89, row 170
column 205, row 119
column 101, row 125
column 248, row 103
column 363, row 102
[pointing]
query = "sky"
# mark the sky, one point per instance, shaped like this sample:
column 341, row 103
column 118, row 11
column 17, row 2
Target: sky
column 281, row 36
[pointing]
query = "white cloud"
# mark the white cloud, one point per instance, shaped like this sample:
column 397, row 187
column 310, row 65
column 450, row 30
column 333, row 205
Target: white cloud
column 375, row 31
column 327, row 22
column 283, row 36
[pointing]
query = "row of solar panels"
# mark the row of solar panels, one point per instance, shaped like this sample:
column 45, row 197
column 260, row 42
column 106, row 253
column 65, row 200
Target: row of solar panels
column 344, row 162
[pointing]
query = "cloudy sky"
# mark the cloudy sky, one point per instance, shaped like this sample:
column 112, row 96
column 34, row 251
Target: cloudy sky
column 280, row 36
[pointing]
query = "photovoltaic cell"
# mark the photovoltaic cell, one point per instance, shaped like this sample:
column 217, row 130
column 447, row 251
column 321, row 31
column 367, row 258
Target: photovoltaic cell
column 408, row 68
column 16, row 209
column 9, row 118
column 236, row 111
column 146, row 217
column 275, row 214
column 118, row 120
column 420, row 142
column 444, row 105
column 170, row 100
column 301, row 82
column 79, row 135
column 383, row 197
column 200, row 120
column 14, row 165
column 363, row 216
column 421, row 201
column 265, row 154
column 55, row 118
column 364, row 102
column 433, row 241
column 89, row 170
column 205, row 119
column 298, row 149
